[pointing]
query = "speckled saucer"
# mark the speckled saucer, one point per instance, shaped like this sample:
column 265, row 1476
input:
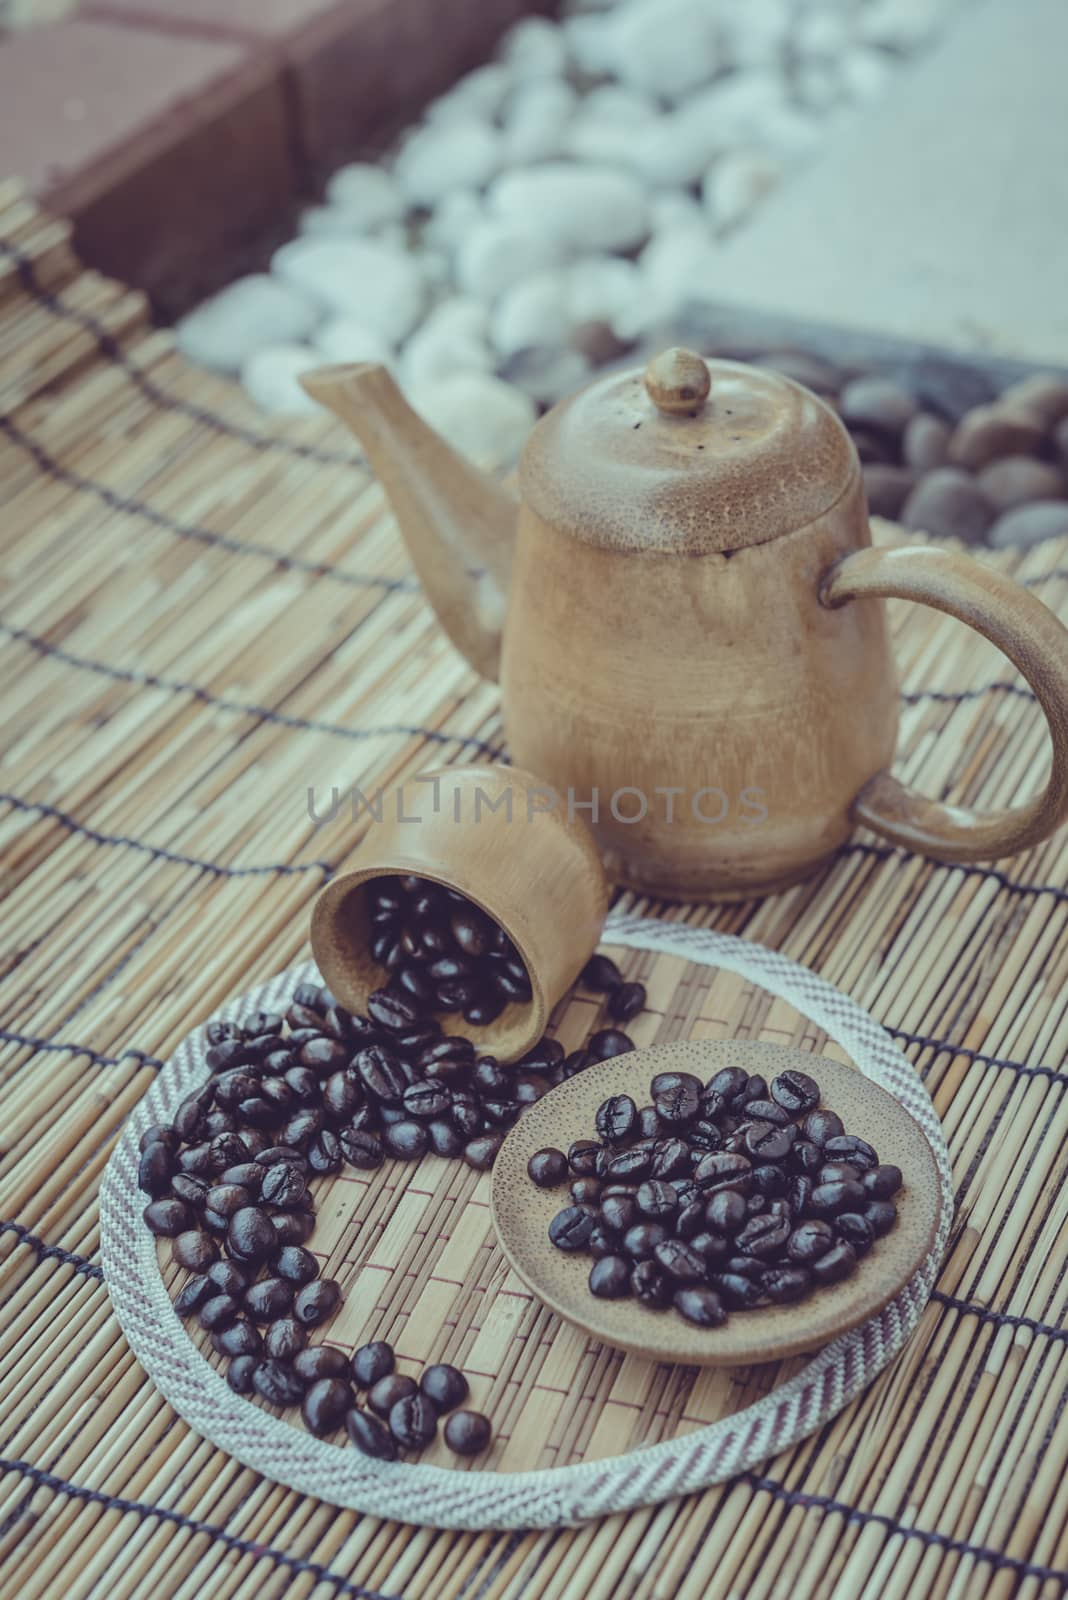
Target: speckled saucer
column 522, row 1211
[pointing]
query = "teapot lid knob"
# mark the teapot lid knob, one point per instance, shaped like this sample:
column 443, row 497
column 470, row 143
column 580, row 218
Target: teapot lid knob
column 677, row 382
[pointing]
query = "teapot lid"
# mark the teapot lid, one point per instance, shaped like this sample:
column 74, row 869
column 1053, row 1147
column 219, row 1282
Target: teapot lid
column 691, row 455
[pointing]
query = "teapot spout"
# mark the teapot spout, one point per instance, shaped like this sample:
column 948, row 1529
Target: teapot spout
column 457, row 522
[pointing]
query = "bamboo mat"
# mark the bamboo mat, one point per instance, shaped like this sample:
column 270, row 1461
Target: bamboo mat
column 200, row 619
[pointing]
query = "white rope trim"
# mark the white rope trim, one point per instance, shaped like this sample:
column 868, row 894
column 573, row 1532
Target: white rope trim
column 551, row 1497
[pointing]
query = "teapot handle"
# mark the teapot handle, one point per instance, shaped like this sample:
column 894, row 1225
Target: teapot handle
column 1032, row 638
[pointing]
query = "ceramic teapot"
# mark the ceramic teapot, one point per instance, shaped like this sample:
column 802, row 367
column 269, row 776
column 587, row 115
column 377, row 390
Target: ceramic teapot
column 685, row 612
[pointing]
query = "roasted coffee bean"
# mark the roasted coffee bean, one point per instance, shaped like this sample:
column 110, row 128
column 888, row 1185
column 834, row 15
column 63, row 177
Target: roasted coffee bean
column 241, row 1372
column 763, row 1235
column 837, row 1172
column 196, row 1159
column 765, row 1143
column 828, row 1199
column 413, row 1421
column 444, row 1386
column 837, row 1264
column 214, row 1220
column 745, row 1266
column 582, row 1157
column 618, row 1211
column 247, row 1175
column 414, row 984
column 326, row 1405
column 277, row 1383
column 372, row 1362
column 324, row 1152
column 796, row 1092
column 810, row 1240
column 755, row 1204
column 321, row 1361
column 858, row 1152
column 381, row 1074
column 576, row 1062
column 604, row 1241
column 444, row 1139
column 657, row 1198
column 342, row 1094
column 385, row 1393
column 192, row 1294
column 228, row 1278
column 721, row 1170
column 609, row 1042
column 239, row 1338
column 610, row 1278
column 676, row 1096
column 649, row 1125
column 224, row 1199
column 755, row 1089
column 770, row 1181
column 483, row 1009
column 301, row 1128
column 725, row 1211
column 821, row 1125
column 370, row 1435
column 600, row 974
column 466, row 1115
column 616, row 1119
column 679, row 1260
column 729, row 1083
column 184, row 1186
column 471, row 929
column 585, row 1191
column 250, row 1234
column 700, row 1305
column 168, row 1218
column 491, row 1078
column 806, row 1157
column 690, row 1220
column 292, row 1227
column 194, row 1250
column 426, row 1099
column 218, row 1311
column 642, row 1239
column 510, row 977
column 625, row 1001
column 799, row 1193
column 323, row 1055
column 269, row 1299
column 155, row 1169
column 882, row 1214
column 296, row 1265
column 284, row 1338
column 218, row 1031
column 736, row 1290
column 547, row 1167
column 856, row 1228
column 393, row 1011
column 316, row 1301
column 481, row 1152
column 882, row 1182
column 628, row 1165
column 407, row 1139
column 670, row 1158
column 711, row 1247
column 784, row 1285
column 570, row 1229
column 650, row 1285
column 362, row 1150
column 468, row 1433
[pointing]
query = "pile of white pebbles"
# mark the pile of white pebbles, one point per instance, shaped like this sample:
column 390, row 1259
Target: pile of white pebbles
column 557, row 204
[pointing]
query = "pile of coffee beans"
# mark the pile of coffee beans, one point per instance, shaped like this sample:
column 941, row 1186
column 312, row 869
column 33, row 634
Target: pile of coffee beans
column 296, row 1096
column 719, row 1196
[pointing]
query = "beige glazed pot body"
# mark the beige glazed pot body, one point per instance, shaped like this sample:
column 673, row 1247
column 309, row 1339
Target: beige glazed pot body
column 724, row 718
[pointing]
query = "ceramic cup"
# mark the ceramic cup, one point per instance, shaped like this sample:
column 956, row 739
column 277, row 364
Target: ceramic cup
column 505, row 841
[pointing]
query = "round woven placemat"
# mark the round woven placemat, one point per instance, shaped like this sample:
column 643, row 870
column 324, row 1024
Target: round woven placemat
column 436, row 1496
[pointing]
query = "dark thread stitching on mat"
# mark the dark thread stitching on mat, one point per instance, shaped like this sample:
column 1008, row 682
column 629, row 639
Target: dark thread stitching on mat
column 218, row 870
column 53, row 1252
column 51, row 468
column 885, row 852
column 946, row 1047
column 941, row 1541
column 112, row 350
column 958, row 696
column 32, row 1042
column 1000, row 1319
column 230, row 1541
column 149, row 680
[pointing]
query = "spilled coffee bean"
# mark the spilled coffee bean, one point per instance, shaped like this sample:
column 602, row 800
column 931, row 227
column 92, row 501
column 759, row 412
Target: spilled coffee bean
column 718, row 1196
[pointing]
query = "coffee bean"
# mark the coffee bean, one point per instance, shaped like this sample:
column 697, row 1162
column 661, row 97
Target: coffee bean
column 700, row 1304
column 194, row 1250
column 471, row 929
column 321, row 1361
column 766, row 1143
column 155, row 1169
column 784, row 1285
column 284, row 1338
column 269, row 1299
column 324, row 1152
column 722, row 1170
column 618, row 1211
column 239, row 1338
column 277, row 1383
column 582, row 1157
column 444, row 1386
column 547, row 1167
column 837, row 1172
column 387, row 1391
column 657, row 1198
column 362, row 1150
column 292, row 1227
column 482, row 1152
column 193, row 1294
column 679, row 1260
column 725, row 1211
column 372, row 1362
column 600, row 974
column 585, row 1191
column 610, row 1277
column 736, row 1290
column 413, row 1421
column 316, row 1301
column 856, row 1228
column 882, row 1214
column 827, row 1199
column 296, row 1265
column 642, row 1239
column 426, row 1099
column 609, row 1042
column 392, row 1011
column 218, row 1311
column 626, row 1001
column 326, row 1405
column 628, row 1165
column 240, row 1373
column 763, row 1235
column 882, row 1182
column 468, row 1433
column 821, row 1125
column 616, row 1118
column 250, row 1234
column 570, row 1229
column 370, row 1435
column 856, row 1151
column 444, row 1139
column 837, row 1264
column 676, row 1096
column 407, row 1140
column 168, row 1218
column 796, row 1092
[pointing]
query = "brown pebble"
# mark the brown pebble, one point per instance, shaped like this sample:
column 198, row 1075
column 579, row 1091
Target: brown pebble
column 1042, row 396
column 948, row 504
column 990, row 432
column 925, row 443
column 1015, row 480
column 876, row 403
column 1027, row 525
column 887, row 488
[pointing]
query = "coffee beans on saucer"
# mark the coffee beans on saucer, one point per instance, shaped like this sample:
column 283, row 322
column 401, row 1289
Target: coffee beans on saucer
column 721, row 1196
column 292, row 1097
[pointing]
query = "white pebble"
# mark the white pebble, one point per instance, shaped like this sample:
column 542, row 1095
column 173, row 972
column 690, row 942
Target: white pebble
column 535, row 122
column 757, row 32
column 586, row 208
column 673, row 265
column 601, row 288
column 864, row 73
column 547, row 375
column 535, row 48
column 436, row 160
column 667, row 47
column 479, row 94
column 735, row 185
column 901, row 25
column 449, row 341
column 477, row 414
column 347, row 339
column 452, row 220
column 270, row 376
column 494, row 255
column 534, row 312
column 246, row 316
column 382, row 287
column 368, row 192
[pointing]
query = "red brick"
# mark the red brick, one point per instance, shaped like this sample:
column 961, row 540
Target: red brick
column 170, row 155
